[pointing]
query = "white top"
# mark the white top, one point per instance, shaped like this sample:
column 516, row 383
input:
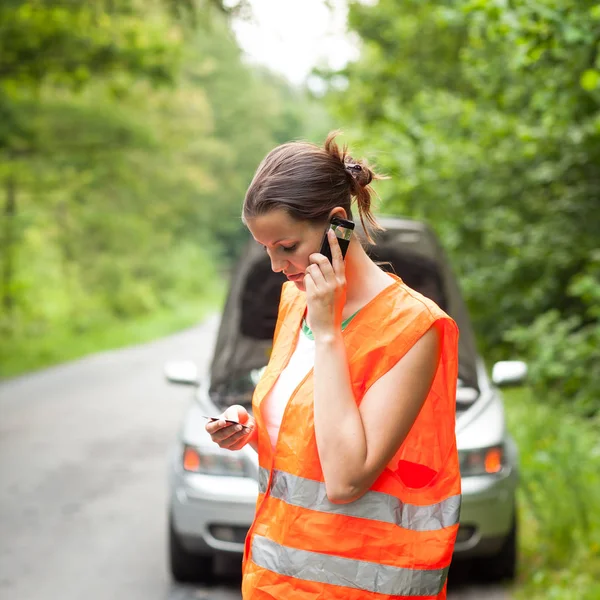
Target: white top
column 301, row 362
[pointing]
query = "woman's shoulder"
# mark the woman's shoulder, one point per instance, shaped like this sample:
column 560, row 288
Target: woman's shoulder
column 401, row 302
column 418, row 301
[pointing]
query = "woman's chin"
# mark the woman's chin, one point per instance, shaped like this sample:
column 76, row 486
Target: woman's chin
column 300, row 284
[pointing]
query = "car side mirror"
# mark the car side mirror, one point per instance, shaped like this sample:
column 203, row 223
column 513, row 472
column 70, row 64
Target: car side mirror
column 506, row 373
column 182, row 372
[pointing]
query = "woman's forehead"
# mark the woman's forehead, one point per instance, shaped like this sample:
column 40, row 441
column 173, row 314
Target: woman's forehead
column 275, row 226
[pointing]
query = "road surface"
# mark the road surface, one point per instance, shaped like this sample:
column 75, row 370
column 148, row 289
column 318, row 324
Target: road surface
column 83, row 459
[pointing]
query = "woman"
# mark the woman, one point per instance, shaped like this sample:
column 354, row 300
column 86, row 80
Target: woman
column 353, row 419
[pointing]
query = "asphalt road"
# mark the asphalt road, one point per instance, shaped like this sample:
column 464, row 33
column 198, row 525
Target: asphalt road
column 83, row 457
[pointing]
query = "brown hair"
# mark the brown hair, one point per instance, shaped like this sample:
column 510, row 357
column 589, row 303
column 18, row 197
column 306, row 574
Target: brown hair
column 308, row 181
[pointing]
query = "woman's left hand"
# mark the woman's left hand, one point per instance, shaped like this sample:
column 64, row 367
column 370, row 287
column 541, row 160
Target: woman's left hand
column 325, row 285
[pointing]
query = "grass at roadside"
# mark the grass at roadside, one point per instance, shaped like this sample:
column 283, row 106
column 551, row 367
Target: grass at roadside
column 21, row 355
column 559, row 501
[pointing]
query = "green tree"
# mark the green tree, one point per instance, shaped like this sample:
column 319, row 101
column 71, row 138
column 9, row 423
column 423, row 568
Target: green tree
column 123, row 195
column 63, row 45
column 486, row 114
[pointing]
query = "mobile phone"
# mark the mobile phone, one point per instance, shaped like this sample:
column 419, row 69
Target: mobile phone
column 228, row 421
column 343, row 232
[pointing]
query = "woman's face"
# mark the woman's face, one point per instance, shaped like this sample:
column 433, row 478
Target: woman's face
column 288, row 242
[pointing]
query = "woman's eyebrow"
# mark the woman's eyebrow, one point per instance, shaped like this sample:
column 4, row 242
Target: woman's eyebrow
column 274, row 243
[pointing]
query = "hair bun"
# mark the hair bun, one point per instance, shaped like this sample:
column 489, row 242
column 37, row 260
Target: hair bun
column 358, row 177
column 361, row 174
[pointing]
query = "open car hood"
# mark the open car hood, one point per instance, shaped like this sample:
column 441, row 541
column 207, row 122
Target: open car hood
column 248, row 321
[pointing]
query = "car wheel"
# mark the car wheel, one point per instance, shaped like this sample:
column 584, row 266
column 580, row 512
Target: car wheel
column 187, row 567
column 503, row 565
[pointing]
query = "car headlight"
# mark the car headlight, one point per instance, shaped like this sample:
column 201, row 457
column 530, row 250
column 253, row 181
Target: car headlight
column 482, row 461
column 212, row 461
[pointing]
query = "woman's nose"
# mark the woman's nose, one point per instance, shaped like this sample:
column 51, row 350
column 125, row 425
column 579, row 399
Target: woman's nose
column 277, row 265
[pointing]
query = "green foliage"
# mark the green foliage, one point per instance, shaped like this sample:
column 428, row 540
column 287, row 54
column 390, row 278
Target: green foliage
column 565, row 353
column 121, row 199
column 560, row 484
column 486, row 114
column 68, row 43
column 62, row 342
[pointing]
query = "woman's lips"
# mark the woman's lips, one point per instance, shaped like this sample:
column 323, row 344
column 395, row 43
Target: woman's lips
column 296, row 277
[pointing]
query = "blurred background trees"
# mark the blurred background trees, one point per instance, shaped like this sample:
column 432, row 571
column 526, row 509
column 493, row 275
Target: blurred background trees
column 486, row 114
column 129, row 131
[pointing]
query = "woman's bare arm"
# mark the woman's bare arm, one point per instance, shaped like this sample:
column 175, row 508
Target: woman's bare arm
column 355, row 443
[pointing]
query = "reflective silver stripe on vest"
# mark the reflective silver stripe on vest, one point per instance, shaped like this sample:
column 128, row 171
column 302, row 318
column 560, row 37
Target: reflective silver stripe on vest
column 375, row 506
column 263, row 480
column 347, row 572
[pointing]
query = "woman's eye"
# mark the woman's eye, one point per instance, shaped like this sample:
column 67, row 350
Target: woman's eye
column 289, row 248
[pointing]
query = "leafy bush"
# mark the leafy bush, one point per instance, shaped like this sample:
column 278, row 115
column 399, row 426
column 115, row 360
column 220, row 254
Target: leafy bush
column 564, row 353
column 487, row 117
column 560, row 487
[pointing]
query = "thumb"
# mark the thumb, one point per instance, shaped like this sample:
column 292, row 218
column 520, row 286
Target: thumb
column 243, row 415
column 236, row 413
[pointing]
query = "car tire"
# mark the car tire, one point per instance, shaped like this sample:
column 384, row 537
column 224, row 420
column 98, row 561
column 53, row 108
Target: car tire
column 502, row 566
column 188, row 567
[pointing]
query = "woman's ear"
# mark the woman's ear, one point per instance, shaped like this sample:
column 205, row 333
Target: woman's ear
column 338, row 211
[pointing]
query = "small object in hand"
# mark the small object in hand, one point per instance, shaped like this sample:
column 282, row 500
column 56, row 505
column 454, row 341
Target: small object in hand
column 342, row 228
column 228, row 421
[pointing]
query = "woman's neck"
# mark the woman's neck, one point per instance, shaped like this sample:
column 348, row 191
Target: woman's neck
column 364, row 279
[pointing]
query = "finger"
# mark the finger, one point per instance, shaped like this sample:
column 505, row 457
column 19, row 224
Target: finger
column 237, row 440
column 226, row 428
column 309, row 285
column 231, row 413
column 318, row 278
column 233, row 440
column 324, row 264
column 337, row 259
column 214, row 426
column 227, row 434
column 240, row 414
column 243, row 415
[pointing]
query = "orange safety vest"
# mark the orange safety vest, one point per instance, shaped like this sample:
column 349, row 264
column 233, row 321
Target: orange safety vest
column 396, row 541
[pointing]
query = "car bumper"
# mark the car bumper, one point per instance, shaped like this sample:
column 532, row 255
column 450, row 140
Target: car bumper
column 487, row 513
column 213, row 513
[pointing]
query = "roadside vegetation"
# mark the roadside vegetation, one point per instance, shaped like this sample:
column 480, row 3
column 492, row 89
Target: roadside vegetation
column 69, row 343
column 486, row 115
column 558, row 499
column 129, row 131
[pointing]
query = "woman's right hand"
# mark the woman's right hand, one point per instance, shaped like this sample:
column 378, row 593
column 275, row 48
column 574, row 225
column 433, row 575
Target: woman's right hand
column 232, row 437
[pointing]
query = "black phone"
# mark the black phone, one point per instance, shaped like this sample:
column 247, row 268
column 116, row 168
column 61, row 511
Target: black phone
column 343, row 232
column 228, row 421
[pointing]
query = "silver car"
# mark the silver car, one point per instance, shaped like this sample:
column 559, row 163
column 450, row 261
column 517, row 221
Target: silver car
column 212, row 492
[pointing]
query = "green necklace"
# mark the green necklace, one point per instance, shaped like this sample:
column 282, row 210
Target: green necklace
column 309, row 334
